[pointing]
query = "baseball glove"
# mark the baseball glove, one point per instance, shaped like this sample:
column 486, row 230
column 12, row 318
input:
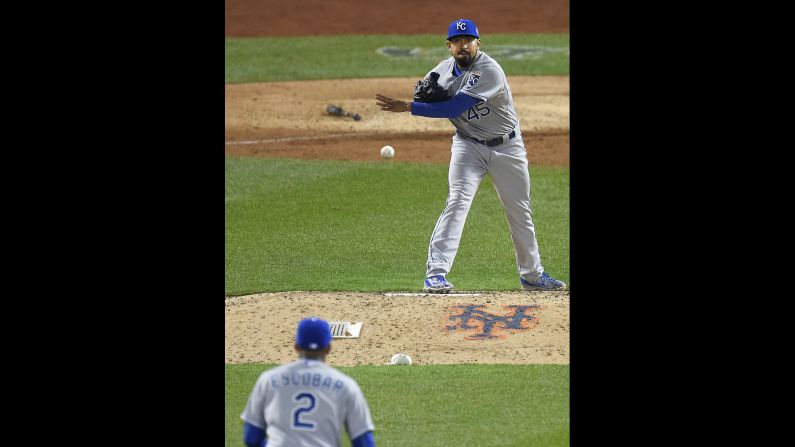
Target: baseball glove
column 428, row 90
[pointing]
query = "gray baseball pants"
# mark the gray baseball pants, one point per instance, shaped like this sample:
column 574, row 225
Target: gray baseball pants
column 469, row 163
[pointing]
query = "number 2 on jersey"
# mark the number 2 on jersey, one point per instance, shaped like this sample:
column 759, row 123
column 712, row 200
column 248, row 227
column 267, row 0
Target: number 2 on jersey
column 307, row 404
column 482, row 110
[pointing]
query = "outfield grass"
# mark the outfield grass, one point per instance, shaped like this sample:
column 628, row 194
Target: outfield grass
column 444, row 405
column 263, row 59
column 355, row 226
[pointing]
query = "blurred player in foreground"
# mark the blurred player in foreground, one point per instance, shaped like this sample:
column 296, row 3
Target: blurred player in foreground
column 306, row 402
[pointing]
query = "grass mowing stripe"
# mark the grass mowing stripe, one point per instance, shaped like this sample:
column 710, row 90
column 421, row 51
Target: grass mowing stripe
column 444, row 405
column 264, row 59
column 335, row 225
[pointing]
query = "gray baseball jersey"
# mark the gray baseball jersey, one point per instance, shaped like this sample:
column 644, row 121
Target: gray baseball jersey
column 484, row 80
column 306, row 403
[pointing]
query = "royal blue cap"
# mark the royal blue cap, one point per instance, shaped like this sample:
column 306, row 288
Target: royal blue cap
column 462, row 27
column 312, row 334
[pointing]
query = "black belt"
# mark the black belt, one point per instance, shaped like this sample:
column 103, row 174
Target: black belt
column 496, row 141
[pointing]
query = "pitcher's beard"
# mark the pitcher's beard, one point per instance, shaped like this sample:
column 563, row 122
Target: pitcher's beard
column 465, row 60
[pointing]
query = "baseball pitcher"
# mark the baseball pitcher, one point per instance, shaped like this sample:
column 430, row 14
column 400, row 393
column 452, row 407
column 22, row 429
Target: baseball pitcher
column 307, row 402
column 470, row 89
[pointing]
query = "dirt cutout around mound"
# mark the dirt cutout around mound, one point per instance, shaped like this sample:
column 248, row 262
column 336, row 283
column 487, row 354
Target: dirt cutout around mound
column 493, row 327
column 259, row 124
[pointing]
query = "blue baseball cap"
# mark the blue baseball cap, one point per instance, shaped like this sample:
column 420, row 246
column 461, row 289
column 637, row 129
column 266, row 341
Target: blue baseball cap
column 462, row 27
column 313, row 334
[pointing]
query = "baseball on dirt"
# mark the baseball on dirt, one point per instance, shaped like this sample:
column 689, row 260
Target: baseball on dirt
column 387, row 152
column 400, row 359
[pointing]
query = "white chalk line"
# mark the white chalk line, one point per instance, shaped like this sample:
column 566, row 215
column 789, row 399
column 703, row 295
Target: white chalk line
column 431, row 294
column 284, row 139
column 306, row 138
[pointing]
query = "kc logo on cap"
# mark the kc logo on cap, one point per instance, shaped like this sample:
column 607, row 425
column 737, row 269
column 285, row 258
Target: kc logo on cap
column 462, row 27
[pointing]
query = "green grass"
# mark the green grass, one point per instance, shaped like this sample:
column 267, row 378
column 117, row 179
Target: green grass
column 265, row 59
column 336, row 225
column 444, row 405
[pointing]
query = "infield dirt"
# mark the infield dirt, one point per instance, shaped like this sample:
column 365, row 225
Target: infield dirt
column 258, row 124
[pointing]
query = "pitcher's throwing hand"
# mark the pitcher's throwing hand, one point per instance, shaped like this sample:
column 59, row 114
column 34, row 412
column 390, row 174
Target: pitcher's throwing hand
column 391, row 104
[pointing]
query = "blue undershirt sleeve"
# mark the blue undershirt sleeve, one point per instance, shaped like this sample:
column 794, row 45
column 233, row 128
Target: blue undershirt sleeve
column 444, row 109
column 365, row 440
column 254, row 436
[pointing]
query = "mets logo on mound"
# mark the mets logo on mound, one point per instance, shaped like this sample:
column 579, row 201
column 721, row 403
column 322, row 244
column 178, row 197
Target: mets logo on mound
column 479, row 324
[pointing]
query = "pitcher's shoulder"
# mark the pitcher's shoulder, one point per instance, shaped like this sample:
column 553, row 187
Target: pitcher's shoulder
column 486, row 62
column 444, row 65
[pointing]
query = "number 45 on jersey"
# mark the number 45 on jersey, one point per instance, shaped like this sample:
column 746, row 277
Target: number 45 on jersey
column 477, row 111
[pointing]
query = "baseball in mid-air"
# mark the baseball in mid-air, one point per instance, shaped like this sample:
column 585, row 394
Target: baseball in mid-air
column 400, row 359
column 387, row 152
